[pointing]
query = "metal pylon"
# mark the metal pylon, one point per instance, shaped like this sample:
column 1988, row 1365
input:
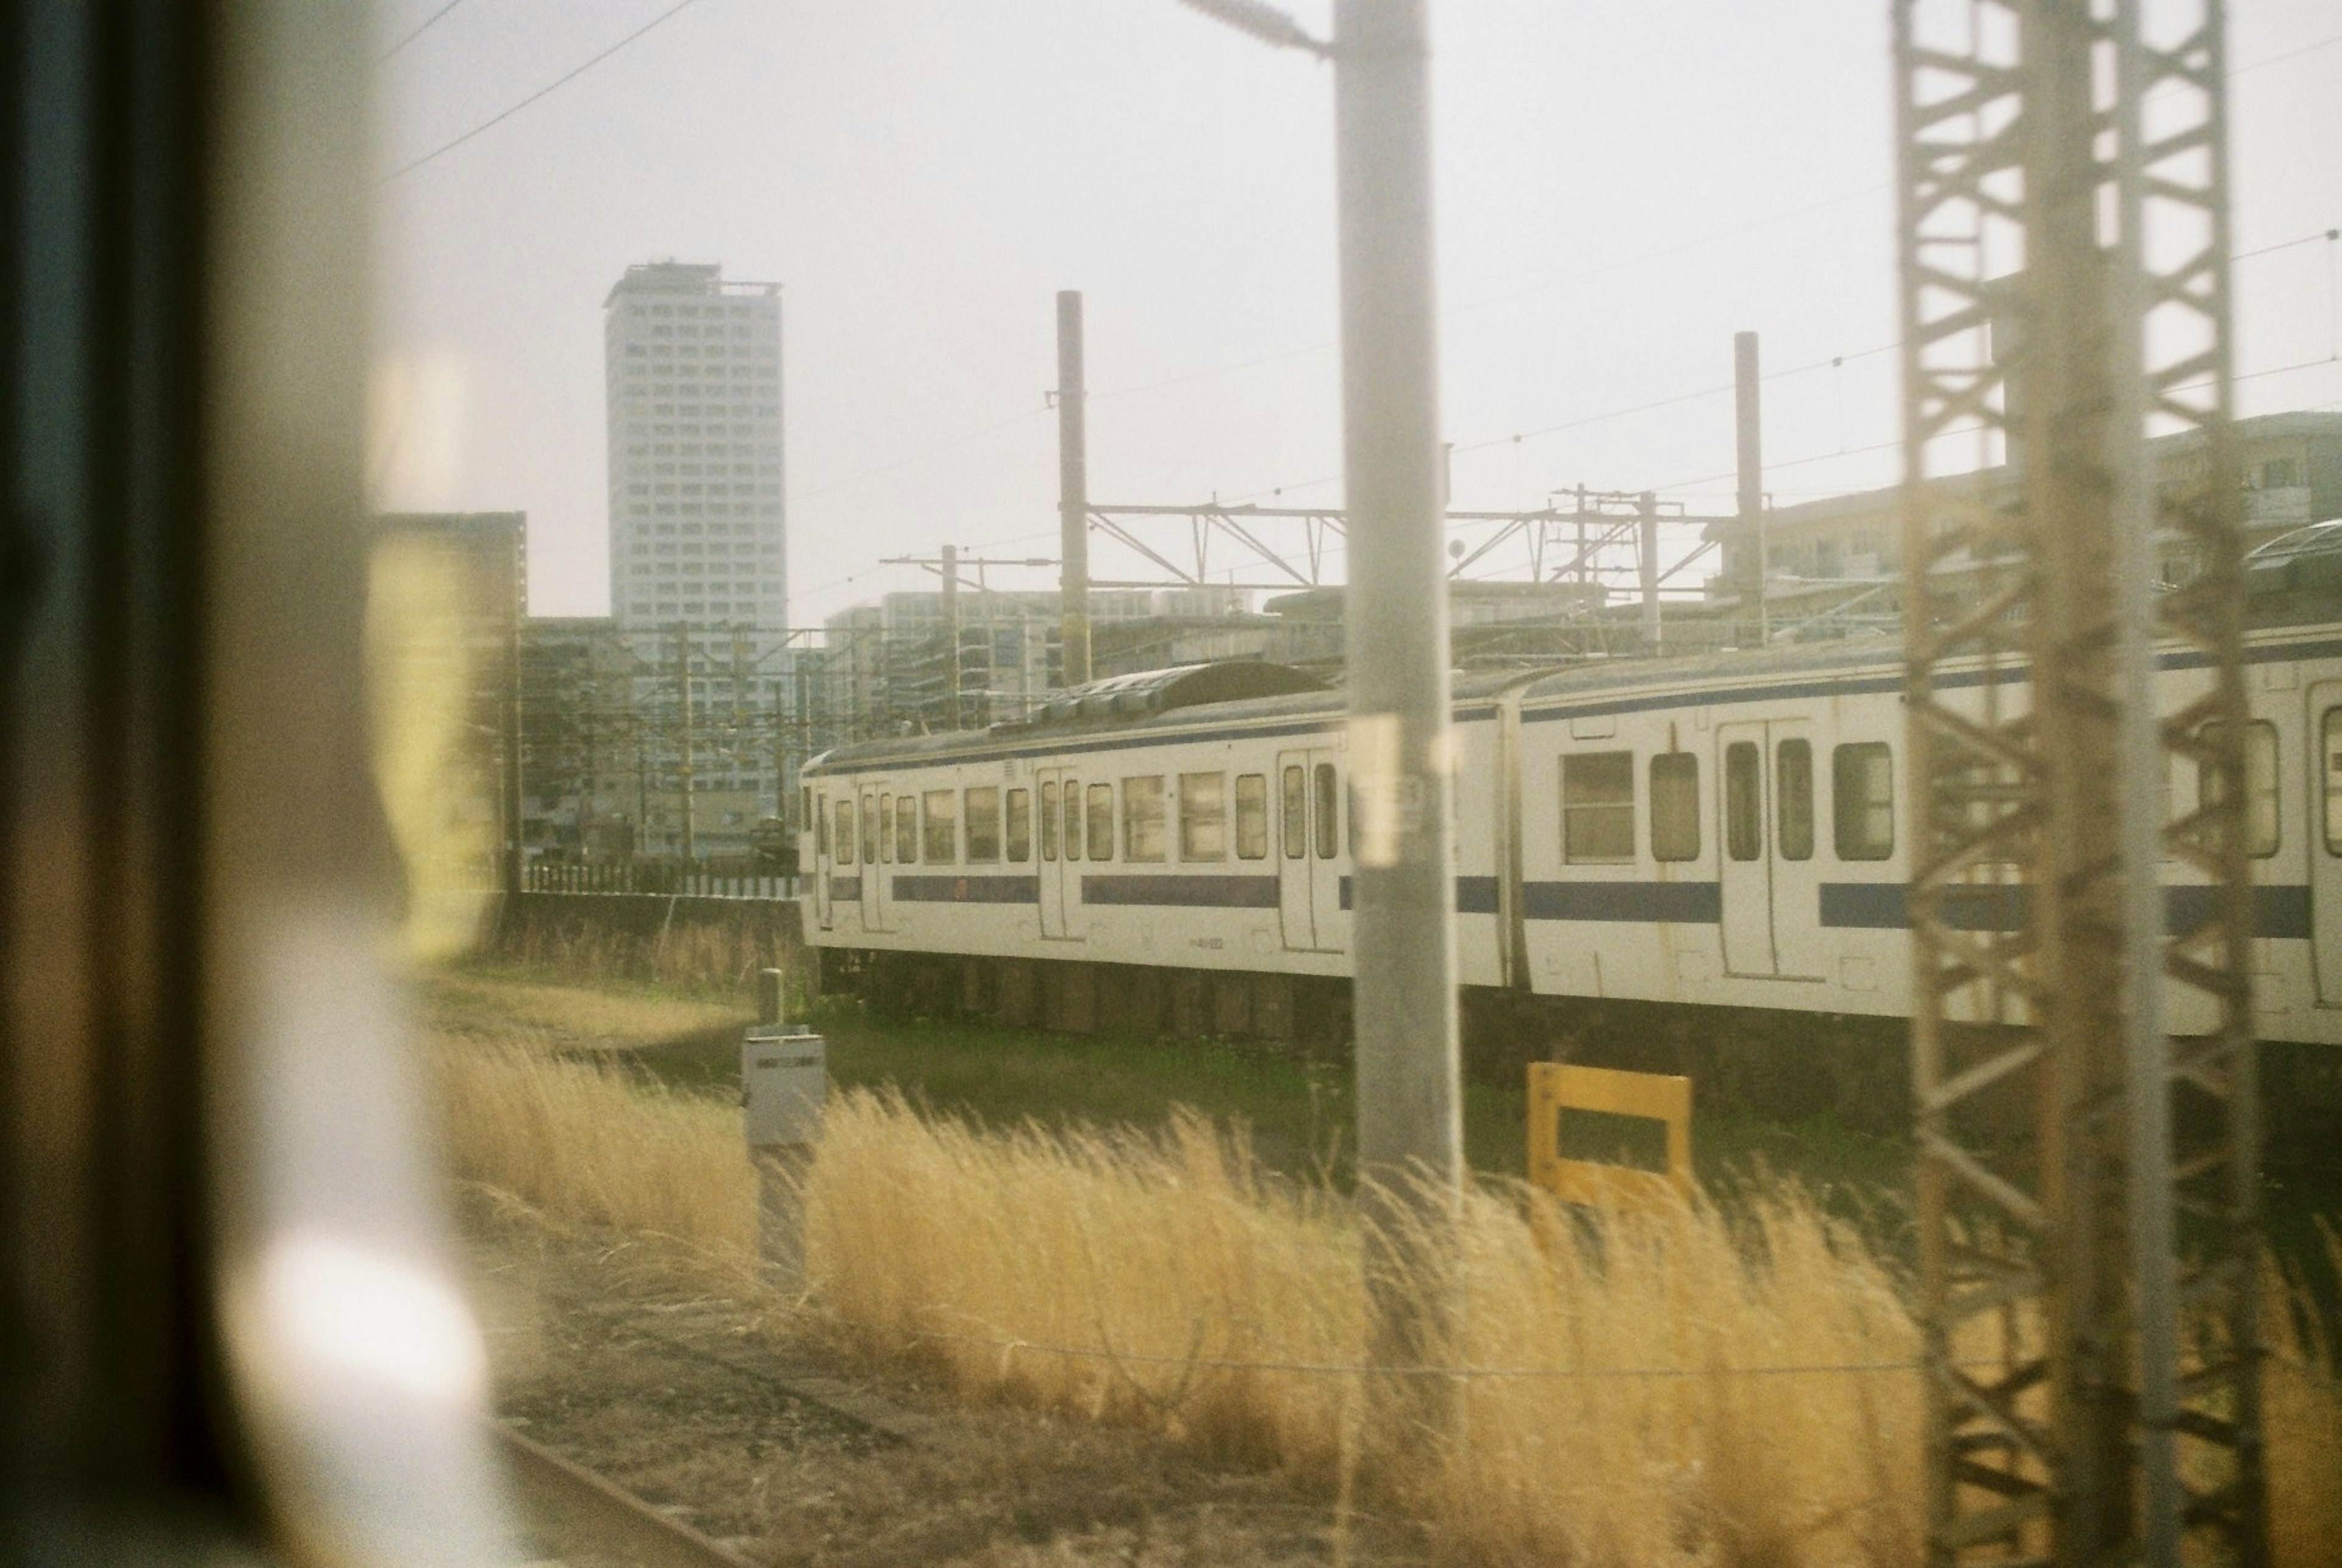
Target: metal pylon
column 2064, row 241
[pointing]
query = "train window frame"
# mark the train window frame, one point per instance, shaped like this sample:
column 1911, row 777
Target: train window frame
column 869, row 828
column 1017, row 827
column 1793, row 809
column 939, row 827
column 885, row 827
column 804, row 804
column 821, row 827
column 980, row 814
column 1252, row 817
column 1146, row 819
column 1293, row 800
column 1852, row 836
column 845, row 833
column 1048, row 807
column 1074, row 814
column 906, row 832
column 1597, row 821
column 1203, row 818
column 2330, row 749
column 1324, row 810
column 1098, row 824
column 1674, row 808
column 2264, row 828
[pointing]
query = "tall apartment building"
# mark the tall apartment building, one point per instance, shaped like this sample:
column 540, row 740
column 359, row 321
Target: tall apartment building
column 693, row 368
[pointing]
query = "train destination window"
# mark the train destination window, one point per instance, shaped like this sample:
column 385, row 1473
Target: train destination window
column 1017, row 833
column 1101, row 822
column 1675, row 806
column 1252, row 817
column 1793, row 798
column 1744, row 801
column 2260, row 787
column 820, row 829
column 869, row 830
column 939, row 824
column 845, row 831
column 885, row 827
column 1073, row 820
column 984, row 823
column 1597, row 807
column 1862, row 792
column 906, row 833
column 1049, row 821
column 1327, row 806
column 1296, row 813
column 1142, row 818
column 1203, row 817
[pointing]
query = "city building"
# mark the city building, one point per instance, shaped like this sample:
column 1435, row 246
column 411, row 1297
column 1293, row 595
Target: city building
column 1831, row 567
column 692, row 364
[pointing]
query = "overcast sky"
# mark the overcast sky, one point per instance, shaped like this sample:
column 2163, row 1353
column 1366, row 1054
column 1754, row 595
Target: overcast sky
column 1620, row 187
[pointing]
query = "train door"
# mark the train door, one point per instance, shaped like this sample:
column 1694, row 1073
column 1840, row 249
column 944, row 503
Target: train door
column 1057, row 809
column 878, row 903
column 1770, row 888
column 2324, row 752
column 1309, row 852
column 823, row 859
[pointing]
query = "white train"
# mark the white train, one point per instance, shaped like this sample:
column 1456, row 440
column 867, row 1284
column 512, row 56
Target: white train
column 1728, row 831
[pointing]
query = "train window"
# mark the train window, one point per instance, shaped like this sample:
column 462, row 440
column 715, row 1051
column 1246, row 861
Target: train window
column 1327, row 806
column 885, row 827
column 1744, row 801
column 2330, row 745
column 1862, row 792
column 1675, row 806
column 1073, row 820
column 1101, row 822
column 869, row 830
column 1017, row 833
column 984, row 823
column 845, row 831
column 1792, row 799
column 1049, row 821
column 939, row 827
column 1296, row 813
column 1597, row 807
column 1142, row 818
column 906, row 833
column 2260, row 787
column 804, row 804
column 820, row 829
column 1203, row 817
column 1252, row 817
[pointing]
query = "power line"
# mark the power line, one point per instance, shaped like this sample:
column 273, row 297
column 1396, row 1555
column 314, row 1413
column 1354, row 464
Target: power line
column 549, row 89
column 428, row 23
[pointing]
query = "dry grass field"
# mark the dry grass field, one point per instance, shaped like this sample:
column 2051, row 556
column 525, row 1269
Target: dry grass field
column 1699, row 1390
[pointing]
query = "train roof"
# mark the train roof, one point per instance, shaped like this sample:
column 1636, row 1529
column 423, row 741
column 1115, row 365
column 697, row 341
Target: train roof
column 1251, row 691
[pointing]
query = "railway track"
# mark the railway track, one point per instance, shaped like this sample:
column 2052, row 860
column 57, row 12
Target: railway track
column 592, row 1523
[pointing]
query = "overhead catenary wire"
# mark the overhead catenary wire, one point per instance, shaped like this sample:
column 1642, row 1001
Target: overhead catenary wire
column 542, row 93
column 428, row 23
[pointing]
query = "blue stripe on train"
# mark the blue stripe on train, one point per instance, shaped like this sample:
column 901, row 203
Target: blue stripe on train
column 847, row 889
column 1178, row 890
column 967, row 889
column 1474, row 895
column 2282, row 911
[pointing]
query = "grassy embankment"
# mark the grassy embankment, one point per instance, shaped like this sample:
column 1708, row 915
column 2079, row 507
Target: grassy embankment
column 1705, row 1390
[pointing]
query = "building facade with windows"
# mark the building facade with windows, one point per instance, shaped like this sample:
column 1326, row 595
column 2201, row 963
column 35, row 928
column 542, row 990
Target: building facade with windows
column 692, row 364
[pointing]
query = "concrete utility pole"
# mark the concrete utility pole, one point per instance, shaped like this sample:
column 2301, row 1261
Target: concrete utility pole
column 684, row 755
column 951, row 635
column 1749, row 448
column 1403, row 944
column 1647, row 509
column 1073, row 496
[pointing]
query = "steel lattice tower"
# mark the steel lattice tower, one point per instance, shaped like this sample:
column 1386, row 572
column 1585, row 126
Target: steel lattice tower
column 2064, row 248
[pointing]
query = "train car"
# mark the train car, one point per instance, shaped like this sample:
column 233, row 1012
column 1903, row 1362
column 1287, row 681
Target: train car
column 1729, row 830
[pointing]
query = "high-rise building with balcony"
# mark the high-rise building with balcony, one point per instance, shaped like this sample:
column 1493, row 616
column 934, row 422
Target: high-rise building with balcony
column 698, row 530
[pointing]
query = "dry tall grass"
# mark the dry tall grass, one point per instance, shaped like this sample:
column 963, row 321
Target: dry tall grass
column 1634, row 1410
column 717, row 957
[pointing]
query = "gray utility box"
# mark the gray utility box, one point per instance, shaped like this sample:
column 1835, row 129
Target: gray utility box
column 784, row 1082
